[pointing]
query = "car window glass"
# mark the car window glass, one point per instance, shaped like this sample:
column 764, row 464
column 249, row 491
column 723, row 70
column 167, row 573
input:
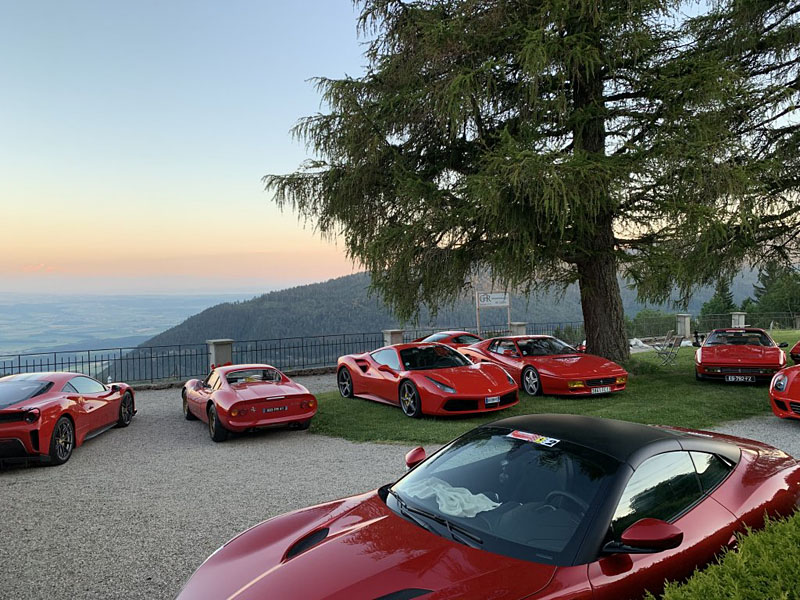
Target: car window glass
column 739, row 338
column 212, row 381
column 711, row 469
column 252, row 376
column 85, row 385
column 435, row 356
column 69, row 389
column 466, row 339
column 387, row 357
column 435, row 337
column 506, row 348
column 662, row 487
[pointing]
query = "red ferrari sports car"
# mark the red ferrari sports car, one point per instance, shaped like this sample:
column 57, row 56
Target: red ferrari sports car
column 795, row 353
column 454, row 339
column 238, row 398
column 431, row 379
column 739, row 356
column 44, row 416
column 543, row 364
column 784, row 393
column 541, row 507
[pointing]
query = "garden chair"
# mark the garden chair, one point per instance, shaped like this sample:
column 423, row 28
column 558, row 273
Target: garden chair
column 666, row 342
column 668, row 353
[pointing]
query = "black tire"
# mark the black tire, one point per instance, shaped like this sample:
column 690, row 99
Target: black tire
column 302, row 425
column 698, row 376
column 531, row 383
column 125, row 410
column 62, row 441
column 216, row 429
column 187, row 414
column 410, row 402
column 345, row 382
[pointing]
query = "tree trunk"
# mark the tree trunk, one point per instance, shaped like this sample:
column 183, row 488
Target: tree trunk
column 603, row 316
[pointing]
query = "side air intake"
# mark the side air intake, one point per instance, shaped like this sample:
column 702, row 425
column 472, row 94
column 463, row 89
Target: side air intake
column 405, row 594
column 304, row 543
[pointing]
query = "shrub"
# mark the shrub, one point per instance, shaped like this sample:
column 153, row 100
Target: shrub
column 765, row 567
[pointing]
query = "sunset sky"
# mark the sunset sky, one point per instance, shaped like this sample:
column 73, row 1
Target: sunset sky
column 133, row 137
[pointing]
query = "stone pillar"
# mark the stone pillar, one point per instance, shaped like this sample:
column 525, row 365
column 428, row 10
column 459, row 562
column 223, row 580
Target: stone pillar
column 683, row 325
column 220, row 352
column 517, row 328
column 737, row 319
column 392, row 337
column 797, row 322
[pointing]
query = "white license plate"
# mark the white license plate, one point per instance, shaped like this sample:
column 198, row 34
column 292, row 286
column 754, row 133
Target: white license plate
column 273, row 409
column 601, row 390
column 740, row 378
column 492, row 400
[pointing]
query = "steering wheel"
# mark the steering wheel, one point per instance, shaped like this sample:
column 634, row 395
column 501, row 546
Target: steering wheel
column 577, row 501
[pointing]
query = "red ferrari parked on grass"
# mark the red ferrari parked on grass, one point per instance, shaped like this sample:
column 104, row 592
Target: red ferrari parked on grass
column 543, row 364
column 784, row 393
column 454, row 339
column 544, row 507
column 739, row 356
column 795, row 353
column 431, row 379
column 238, row 398
column 44, row 416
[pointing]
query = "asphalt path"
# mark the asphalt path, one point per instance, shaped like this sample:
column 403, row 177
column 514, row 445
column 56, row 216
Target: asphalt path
column 136, row 510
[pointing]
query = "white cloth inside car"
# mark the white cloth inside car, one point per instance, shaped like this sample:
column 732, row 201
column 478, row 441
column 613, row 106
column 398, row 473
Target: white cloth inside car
column 452, row 501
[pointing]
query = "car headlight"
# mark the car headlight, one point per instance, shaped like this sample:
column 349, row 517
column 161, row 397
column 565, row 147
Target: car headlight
column 510, row 378
column 779, row 382
column 441, row 386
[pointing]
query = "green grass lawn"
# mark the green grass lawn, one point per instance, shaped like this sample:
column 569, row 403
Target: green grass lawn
column 655, row 394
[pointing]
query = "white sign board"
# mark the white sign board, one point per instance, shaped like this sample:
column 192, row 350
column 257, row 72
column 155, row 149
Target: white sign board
column 492, row 299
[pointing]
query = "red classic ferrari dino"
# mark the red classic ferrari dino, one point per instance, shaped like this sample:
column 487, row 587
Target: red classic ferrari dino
column 784, row 393
column 45, row 416
column 431, row 379
column 238, row 398
column 545, row 507
column 739, row 356
column 543, row 364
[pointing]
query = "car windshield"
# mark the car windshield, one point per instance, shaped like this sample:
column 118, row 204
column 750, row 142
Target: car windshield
column 252, row 376
column 545, row 346
column 420, row 358
column 17, row 390
column 739, row 338
column 520, row 494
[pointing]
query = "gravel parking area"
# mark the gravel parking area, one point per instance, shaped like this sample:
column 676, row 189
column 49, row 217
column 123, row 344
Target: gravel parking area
column 136, row 510
column 783, row 434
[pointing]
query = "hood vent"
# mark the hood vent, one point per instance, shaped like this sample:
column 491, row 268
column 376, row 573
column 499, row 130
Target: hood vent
column 304, row 543
column 405, row 594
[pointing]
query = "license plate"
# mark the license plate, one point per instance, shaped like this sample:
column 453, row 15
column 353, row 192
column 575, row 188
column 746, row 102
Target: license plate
column 601, row 390
column 273, row 409
column 740, row 378
column 492, row 400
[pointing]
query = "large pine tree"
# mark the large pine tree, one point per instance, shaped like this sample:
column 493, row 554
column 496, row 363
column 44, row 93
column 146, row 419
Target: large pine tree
column 552, row 141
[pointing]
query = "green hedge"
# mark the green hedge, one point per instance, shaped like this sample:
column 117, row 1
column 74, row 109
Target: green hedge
column 766, row 567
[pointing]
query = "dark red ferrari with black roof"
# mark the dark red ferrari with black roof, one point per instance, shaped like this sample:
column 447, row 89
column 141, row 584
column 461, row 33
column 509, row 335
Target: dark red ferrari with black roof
column 46, row 415
column 547, row 507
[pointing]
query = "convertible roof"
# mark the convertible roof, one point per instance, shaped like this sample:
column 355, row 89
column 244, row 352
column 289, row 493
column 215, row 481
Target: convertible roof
column 621, row 440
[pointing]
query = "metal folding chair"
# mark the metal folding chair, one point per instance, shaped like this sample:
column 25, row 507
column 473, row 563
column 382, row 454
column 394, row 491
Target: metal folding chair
column 670, row 351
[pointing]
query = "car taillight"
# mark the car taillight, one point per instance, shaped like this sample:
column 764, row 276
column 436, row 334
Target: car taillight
column 240, row 412
column 308, row 404
column 31, row 416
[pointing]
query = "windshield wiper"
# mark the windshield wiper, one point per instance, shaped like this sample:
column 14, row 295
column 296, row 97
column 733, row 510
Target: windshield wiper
column 457, row 533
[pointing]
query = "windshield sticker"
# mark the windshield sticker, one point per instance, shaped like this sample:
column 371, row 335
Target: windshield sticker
column 533, row 437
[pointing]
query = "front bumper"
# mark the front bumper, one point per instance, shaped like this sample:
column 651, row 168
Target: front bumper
column 719, row 372
column 783, row 407
column 467, row 405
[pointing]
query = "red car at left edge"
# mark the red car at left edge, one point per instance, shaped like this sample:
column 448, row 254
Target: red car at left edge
column 239, row 398
column 45, row 416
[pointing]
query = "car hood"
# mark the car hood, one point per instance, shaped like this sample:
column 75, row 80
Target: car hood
column 259, row 390
column 575, row 365
column 368, row 552
column 760, row 355
column 480, row 378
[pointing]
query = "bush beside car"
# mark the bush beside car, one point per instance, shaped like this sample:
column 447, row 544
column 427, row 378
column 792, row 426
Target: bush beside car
column 766, row 566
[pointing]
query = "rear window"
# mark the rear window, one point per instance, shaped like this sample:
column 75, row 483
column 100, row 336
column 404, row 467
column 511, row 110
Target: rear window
column 15, row 390
column 253, row 376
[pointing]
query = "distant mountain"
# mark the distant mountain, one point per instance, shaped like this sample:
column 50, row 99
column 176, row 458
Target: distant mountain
column 343, row 305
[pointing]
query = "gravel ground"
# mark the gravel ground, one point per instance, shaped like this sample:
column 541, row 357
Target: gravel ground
column 136, row 510
column 783, row 434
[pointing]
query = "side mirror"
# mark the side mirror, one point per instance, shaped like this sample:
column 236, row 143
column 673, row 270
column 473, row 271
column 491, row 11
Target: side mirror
column 415, row 456
column 783, row 345
column 647, row 536
column 115, row 388
column 386, row 369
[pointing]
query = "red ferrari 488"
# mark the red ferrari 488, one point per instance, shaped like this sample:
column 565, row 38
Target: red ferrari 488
column 431, row 379
column 784, row 393
column 45, row 416
column 238, row 398
column 545, row 507
column 739, row 356
column 542, row 364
